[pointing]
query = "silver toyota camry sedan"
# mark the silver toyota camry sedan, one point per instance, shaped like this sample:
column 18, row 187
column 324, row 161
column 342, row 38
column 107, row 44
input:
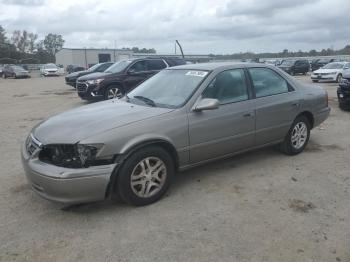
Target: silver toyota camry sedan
column 182, row 117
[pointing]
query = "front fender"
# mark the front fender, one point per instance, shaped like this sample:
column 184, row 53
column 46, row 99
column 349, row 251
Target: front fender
column 144, row 139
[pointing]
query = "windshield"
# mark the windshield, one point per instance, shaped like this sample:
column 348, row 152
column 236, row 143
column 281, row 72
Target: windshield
column 93, row 68
column 324, row 61
column 333, row 66
column 168, row 88
column 17, row 68
column 118, row 67
column 288, row 62
column 51, row 66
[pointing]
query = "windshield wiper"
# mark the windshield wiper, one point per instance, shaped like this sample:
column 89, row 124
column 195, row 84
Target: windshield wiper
column 147, row 100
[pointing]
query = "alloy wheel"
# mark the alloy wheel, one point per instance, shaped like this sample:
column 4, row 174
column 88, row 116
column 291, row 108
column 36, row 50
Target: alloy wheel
column 339, row 78
column 299, row 135
column 148, row 177
column 113, row 93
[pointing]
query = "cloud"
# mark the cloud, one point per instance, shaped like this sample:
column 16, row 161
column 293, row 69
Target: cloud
column 218, row 26
column 23, row 2
column 260, row 8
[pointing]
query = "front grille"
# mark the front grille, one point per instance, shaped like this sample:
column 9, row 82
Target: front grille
column 32, row 145
column 81, row 87
column 345, row 85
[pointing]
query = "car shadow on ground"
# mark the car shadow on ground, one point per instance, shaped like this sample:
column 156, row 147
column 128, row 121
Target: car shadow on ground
column 186, row 178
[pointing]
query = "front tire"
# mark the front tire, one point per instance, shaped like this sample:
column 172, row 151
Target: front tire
column 298, row 136
column 339, row 78
column 113, row 91
column 145, row 176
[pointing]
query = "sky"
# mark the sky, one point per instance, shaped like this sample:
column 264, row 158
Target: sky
column 201, row 26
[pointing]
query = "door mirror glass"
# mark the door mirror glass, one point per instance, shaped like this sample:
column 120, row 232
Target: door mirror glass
column 206, row 104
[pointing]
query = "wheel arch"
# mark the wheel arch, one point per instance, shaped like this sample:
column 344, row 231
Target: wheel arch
column 115, row 83
column 309, row 116
column 132, row 147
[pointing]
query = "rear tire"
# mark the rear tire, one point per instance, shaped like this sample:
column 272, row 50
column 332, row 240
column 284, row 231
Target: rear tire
column 145, row 176
column 298, row 137
column 315, row 81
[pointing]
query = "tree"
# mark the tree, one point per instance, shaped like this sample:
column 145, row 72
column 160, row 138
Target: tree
column 32, row 42
column 3, row 38
column 313, row 52
column 42, row 54
column 53, row 43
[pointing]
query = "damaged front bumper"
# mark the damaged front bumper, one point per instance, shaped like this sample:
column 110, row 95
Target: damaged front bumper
column 66, row 185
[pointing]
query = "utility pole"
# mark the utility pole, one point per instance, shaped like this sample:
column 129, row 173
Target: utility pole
column 115, row 47
column 86, row 64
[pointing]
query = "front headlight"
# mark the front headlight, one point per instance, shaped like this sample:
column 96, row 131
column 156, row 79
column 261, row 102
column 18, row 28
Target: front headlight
column 74, row 156
column 94, row 82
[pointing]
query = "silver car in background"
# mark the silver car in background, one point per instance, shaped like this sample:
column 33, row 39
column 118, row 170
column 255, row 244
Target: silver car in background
column 182, row 117
column 49, row 70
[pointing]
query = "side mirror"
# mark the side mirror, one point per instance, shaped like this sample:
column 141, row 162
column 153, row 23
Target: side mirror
column 206, row 104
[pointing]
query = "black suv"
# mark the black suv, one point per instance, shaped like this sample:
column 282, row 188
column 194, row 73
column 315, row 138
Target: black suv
column 294, row 67
column 343, row 91
column 318, row 63
column 71, row 79
column 74, row 68
column 122, row 77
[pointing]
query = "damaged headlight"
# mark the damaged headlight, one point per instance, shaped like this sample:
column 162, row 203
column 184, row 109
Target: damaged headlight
column 74, row 156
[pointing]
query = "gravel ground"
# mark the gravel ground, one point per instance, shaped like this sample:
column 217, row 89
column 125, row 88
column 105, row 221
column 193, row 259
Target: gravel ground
column 259, row 206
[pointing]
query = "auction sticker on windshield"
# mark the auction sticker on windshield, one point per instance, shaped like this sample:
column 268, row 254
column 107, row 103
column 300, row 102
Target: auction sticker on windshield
column 197, row 73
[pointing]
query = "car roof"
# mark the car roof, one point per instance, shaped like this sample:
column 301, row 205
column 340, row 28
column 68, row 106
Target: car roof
column 218, row 65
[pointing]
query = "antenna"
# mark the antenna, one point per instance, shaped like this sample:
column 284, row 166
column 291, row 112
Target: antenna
column 182, row 53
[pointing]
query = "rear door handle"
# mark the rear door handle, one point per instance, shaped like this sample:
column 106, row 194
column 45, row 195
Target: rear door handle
column 248, row 114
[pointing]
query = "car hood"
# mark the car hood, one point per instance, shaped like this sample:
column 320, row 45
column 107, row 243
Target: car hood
column 93, row 76
column 77, row 124
column 284, row 66
column 321, row 70
column 78, row 74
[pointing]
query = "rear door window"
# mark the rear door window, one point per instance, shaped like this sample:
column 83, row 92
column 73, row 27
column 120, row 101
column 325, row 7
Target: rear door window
column 266, row 82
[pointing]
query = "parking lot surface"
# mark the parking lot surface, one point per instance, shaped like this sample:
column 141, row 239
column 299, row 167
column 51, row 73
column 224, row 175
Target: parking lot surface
column 259, row 206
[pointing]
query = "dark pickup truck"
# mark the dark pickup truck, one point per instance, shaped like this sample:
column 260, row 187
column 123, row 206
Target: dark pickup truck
column 122, row 77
